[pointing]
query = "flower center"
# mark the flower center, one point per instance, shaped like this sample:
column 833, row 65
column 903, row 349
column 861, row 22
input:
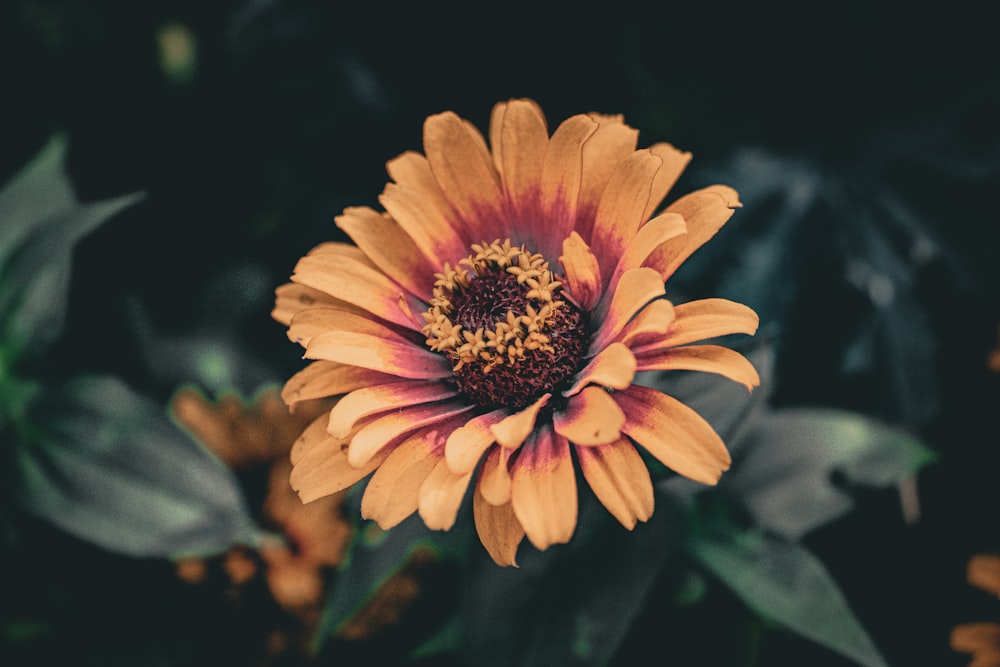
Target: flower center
column 498, row 315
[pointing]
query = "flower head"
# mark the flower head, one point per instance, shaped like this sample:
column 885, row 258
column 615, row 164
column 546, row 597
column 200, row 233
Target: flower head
column 487, row 328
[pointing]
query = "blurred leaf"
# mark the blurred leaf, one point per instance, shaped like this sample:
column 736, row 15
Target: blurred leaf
column 784, row 582
column 106, row 465
column 41, row 223
column 784, row 474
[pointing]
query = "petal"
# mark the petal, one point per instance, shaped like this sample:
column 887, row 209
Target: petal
column 651, row 324
column 329, row 378
column 622, row 207
column 358, row 282
column 704, row 319
column 412, row 172
column 543, row 490
column 524, row 138
column 582, row 272
column 390, row 248
column 325, row 470
column 498, row 530
column 425, row 223
column 591, row 417
column 466, row 177
column 379, row 353
column 494, row 475
column 674, row 433
column 561, row 181
column 466, row 444
column 611, row 143
column 511, row 431
column 311, row 436
column 634, row 291
column 373, row 400
column 651, row 236
column 705, row 358
column 620, row 480
column 674, row 163
column 393, row 492
column 613, row 367
column 290, row 299
column 308, row 324
column 704, row 213
column 384, row 429
column 441, row 496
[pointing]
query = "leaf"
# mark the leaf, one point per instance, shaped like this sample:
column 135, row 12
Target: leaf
column 106, row 465
column 42, row 222
column 784, row 582
column 786, row 466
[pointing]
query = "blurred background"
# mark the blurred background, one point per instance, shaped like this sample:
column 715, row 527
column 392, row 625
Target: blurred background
column 863, row 140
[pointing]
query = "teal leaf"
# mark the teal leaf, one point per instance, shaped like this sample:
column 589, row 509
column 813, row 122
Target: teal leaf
column 41, row 222
column 106, row 465
column 783, row 582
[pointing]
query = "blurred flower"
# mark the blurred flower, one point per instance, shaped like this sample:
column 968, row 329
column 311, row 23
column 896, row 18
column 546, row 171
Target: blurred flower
column 457, row 353
column 981, row 639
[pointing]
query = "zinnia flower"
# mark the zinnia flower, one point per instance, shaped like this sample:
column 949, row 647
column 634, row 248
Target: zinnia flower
column 490, row 323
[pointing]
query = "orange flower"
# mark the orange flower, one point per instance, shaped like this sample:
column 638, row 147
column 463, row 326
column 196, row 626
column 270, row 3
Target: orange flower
column 491, row 322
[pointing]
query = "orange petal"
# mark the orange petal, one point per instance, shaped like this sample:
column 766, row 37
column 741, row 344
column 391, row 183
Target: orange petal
column 524, row 137
column 704, row 319
column 634, row 291
column 311, row 436
column 619, row 478
column 705, row 358
column 359, row 283
column 611, row 143
column 290, row 299
column 562, row 179
column 393, row 251
column 511, row 431
column 466, row 444
column 384, row 429
column 613, row 367
column 622, row 207
column 441, row 496
column 393, row 492
column 705, row 212
column 652, row 235
column 498, row 529
column 310, row 323
column 325, row 470
column 466, row 177
column 674, row 433
column 651, row 324
column 379, row 353
column 543, row 490
column 412, row 172
column 582, row 272
column 329, row 378
column 591, row 418
column 494, row 476
column 674, row 163
column 381, row 398
column 425, row 223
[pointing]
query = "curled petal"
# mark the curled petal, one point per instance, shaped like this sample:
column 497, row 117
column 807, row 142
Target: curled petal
column 652, row 235
column 498, row 529
column 543, row 490
column 290, row 299
column 511, row 431
column 441, row 496
column 383, row 354
column 582, row 272
column 611, row 143
column 329, row 378
column 704, row 319
column 651, row 324
column 393, row 492
column 614, row 367
column 591, row 418
column 311, row 436
column 674, row 433
column 704, row 213
column 620, row 480
column 705, row 358
column 494, row 476
column 674, row 163
column 381, row 398
column 324, row 470
column 466, row 444
column 635, row 290
column 384, row 429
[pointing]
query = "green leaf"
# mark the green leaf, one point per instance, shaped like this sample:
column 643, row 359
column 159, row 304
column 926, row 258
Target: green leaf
column 42, row 222
column 106, row 465
column 784, row 582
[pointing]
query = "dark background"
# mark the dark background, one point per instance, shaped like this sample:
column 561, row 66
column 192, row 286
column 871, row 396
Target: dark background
column 295, row 106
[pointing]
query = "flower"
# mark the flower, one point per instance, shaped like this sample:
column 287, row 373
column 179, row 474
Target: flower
column 490, row 324
column 980, row 639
